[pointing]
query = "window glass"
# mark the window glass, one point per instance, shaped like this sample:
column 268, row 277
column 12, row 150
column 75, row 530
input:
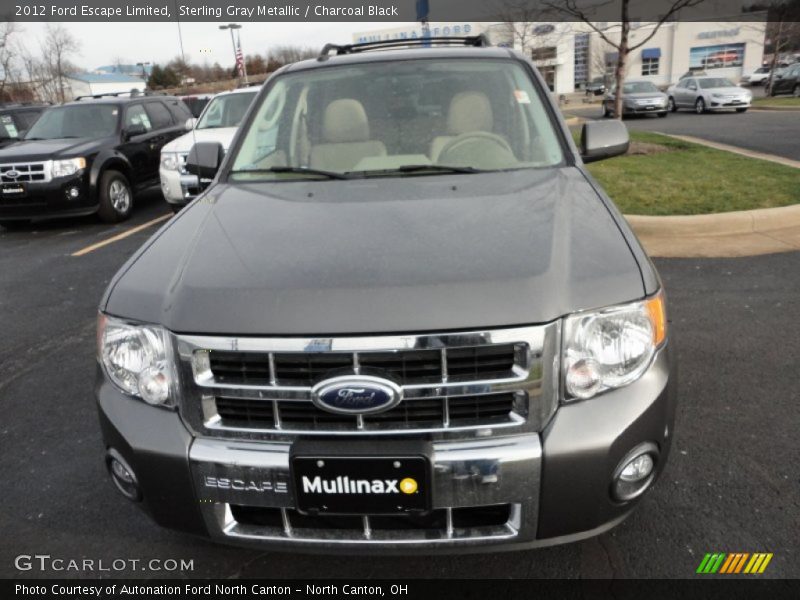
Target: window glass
column 159, row 115
column 374, row 119
column 715, row 82
column 639, row 87
column 226, row 110
column 136, row 115
column 650, row 66
column 716, row 57
column 76, row 121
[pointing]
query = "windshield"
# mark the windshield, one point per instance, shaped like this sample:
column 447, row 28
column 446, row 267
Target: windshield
column 715, row 82
column 420, row 117
column 226, row 111
column 639, row 87
column 75, row 120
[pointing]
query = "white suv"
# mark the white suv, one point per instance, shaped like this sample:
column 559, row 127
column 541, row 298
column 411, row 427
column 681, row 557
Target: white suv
column 217, row 123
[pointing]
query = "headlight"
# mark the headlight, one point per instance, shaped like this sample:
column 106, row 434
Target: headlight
column 136, row 359
column 70, row 166
column 612, row 347
column 169, row 161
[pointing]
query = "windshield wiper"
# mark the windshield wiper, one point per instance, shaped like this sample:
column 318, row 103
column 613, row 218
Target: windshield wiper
column 288, row 169
column 442, row 168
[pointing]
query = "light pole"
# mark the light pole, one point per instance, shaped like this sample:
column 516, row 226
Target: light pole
column 144, row 71
column 233, row 26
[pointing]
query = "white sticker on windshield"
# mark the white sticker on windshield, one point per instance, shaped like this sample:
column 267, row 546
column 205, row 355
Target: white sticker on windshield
column 522, row 97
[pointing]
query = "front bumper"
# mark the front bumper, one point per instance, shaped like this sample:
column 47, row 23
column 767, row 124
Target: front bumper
column 556, row 483
column 644, row 110
column 50, row 199
column 180, row 188
column 727, row 104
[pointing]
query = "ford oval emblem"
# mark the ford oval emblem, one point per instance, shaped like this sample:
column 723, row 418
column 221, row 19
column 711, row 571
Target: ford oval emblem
column 356, row 394
column 12, row 174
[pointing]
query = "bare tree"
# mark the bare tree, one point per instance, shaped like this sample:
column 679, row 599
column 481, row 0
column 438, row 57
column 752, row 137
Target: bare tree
column 783, row 31
column 10, row 50
column 57, row 49
column 519, row 21
column 290, row 54
column 574, row 9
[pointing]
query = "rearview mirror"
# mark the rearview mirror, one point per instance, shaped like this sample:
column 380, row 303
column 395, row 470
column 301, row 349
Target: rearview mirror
column 603, row 139
column 190, row 123
column 204, row 159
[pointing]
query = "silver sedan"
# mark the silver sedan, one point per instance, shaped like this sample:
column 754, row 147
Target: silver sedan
column 708, row 94
column 638, row 98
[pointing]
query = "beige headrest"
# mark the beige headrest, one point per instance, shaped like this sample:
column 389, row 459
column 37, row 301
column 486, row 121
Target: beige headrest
column 345, row 121
column 469, row 111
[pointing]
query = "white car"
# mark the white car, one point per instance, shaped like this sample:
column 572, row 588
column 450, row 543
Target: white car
column 708, row 94
column 217, row 123
column 757, row 77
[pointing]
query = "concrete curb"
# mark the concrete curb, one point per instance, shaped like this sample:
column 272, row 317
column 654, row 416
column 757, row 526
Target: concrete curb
column 758, row 107
column 781, row 160
column 740, row 233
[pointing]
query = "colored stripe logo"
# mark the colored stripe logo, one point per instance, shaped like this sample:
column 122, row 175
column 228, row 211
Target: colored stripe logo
column 733, row 563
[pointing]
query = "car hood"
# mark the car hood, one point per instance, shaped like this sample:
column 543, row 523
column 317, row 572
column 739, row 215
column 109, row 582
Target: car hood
column 223, row 135
column 48, row 149
column 404, row 254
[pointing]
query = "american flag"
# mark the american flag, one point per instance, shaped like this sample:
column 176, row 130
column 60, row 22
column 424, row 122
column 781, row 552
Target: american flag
column 239, row 58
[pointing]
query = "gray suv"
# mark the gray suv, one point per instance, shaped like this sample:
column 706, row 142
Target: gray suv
column 403, row 317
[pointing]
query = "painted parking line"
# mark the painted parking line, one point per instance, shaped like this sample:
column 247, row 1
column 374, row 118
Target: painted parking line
column 120, row 236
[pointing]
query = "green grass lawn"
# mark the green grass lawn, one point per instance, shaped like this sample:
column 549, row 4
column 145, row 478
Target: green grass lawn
column 787, row 101
column 681, row 178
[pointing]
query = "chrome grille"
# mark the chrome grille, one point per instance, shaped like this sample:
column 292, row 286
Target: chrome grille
column 427, row 413
column 404, row 366
column 451, row 383
column 25, row 172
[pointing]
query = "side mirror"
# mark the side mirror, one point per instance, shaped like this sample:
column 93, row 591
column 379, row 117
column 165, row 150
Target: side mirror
column 134, row 130
column 204, row 159
column 190, row 123
column 603, row 139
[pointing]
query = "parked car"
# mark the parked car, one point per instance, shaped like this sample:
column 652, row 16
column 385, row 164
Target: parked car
column 16, row 118
column 757, row 77
column 88, row 156
column 196, row 103
column 638, row 98
column 411, row 320
column 217, row 123
column 596, row 87
column 786, row 82
column 708, row 94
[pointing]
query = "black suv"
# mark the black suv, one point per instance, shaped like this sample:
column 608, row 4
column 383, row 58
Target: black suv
column 16, row 119
column 88, row 156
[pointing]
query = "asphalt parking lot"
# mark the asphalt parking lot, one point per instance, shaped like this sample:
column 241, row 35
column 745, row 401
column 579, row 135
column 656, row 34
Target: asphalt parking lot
column 731, row 483
column 771, row 132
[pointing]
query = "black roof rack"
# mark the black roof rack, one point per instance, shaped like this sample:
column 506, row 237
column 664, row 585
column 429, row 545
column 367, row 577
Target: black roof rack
column 128, row 94
column 480, row 41
column 250, row 84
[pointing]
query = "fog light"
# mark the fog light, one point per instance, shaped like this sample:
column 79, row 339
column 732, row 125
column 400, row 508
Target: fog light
column 635, row 472
column 123, row 476
column 73, row 192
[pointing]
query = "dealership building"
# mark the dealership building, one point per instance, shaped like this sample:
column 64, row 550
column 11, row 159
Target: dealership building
column 571, row 54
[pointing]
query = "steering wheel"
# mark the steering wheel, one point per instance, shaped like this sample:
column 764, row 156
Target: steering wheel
column 491, row 141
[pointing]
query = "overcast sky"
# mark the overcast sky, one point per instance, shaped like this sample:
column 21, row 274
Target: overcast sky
column 103, row 43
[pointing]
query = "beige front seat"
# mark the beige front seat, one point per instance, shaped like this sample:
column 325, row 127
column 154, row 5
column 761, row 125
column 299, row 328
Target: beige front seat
column 345, row 135
column 469, row 111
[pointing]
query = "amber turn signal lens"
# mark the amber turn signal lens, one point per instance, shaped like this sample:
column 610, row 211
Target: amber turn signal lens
column 657, row 312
